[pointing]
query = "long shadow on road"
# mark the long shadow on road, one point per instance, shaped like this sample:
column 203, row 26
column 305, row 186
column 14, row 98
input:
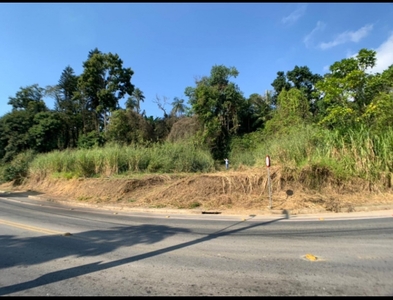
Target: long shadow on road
column 99, row 266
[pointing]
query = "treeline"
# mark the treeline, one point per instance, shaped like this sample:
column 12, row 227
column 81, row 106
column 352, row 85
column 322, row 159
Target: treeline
column 216, row 117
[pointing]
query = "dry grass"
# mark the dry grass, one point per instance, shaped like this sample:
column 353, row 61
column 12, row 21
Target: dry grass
column 225, row 191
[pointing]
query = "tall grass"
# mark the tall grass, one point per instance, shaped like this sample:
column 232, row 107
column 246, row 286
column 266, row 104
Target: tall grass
column 357, row 153
column 115, row 159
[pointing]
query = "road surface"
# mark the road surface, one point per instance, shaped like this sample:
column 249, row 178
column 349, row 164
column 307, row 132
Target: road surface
column 48, row 249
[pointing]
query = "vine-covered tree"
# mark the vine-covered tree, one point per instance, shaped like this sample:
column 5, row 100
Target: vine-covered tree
column 292, row 109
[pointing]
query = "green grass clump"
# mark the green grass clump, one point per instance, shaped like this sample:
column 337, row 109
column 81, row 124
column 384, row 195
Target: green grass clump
column 115, row 159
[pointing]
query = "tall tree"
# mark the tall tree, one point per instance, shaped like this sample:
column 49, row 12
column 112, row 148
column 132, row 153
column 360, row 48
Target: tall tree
column 217, row 102
column 300, row 78
column 70, row 110
column 139, row 97
column 343, row 90
column 103, row 83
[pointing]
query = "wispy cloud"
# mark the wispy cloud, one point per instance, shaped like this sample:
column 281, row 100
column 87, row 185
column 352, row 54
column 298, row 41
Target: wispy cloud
column 384, row 55
column 295, row 15
column 348, row 36
column 326, row 69
column 308, row 38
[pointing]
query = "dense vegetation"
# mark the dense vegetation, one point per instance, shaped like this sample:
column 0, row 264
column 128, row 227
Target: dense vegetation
column 340, row 122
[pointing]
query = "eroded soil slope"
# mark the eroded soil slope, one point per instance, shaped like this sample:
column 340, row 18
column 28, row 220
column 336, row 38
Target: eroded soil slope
column 226, row 191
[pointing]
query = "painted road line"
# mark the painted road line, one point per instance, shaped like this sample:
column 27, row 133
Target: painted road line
column 32, row 228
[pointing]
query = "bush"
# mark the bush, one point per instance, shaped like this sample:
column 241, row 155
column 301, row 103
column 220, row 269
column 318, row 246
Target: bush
column 18, row 169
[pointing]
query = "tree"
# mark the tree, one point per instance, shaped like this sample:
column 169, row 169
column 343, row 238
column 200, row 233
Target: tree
column 15, row 126
column 14, row 134
column 131, row 103
column 292, row 109
column 29, row 99
column 161, row 103
column 217, row 102
column 128, row 127
column 378, row 114
column 102, row 84
column 279, row 84
column 300, row 78
column 343, row 91
column 261, row 108
column 139, row 97
column 44, row 131
column 178, row 107
column 70, row 109
column 119, row 129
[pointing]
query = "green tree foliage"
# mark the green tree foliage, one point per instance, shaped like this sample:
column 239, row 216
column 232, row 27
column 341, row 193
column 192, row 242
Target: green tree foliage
column 217, row 102
column 292, row 110
column 28, row 99
column 178, row 107
column 44, row 132
column 102, row 84
column 378, row 115
column 69, row 108
column 128, row 127
column 92, row 139
column 134, row 101
column 344, row 90
column 255, row 112
column 300, row 78
column 379, row 83
column 15, row 137
column 18, row 169
column 279, row 84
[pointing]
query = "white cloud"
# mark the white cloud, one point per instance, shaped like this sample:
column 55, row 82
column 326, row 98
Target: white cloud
column 319, row 27
column 348, row 36
column 295, row 15
column 384, row 55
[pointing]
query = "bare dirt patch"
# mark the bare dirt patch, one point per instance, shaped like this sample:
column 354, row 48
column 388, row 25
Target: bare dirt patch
column 225, row 191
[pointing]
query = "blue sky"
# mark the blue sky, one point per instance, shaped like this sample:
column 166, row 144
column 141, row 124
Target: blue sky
column 168, row 45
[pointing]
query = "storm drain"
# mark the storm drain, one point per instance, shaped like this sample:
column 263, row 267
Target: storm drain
column 211, row 212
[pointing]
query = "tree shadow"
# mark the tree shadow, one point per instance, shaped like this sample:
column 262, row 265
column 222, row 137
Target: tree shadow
column 94, row 243
column 89, row 243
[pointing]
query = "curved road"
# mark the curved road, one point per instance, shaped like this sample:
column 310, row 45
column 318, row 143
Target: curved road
column 47, row 249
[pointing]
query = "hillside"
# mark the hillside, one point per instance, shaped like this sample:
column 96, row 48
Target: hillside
column 227, row 192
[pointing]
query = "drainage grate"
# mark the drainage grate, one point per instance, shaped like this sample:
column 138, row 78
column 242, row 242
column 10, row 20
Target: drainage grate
column 211, row 212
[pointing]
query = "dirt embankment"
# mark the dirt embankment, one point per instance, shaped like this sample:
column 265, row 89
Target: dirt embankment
column 225, row 191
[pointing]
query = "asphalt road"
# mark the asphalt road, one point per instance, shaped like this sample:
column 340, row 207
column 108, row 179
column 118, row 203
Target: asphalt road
column 48, row 249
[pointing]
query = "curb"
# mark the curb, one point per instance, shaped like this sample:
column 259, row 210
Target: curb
column 285, row 212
